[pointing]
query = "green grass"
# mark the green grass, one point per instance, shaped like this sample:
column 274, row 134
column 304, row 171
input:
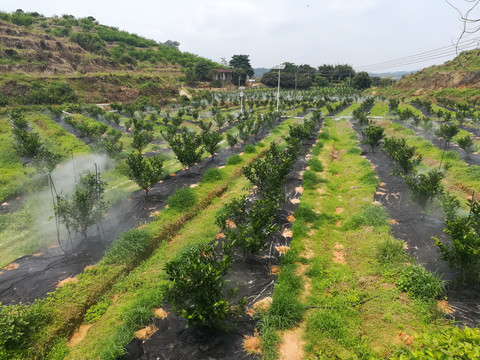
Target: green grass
column 357, row 312
column 379, row 109
column 13, row 176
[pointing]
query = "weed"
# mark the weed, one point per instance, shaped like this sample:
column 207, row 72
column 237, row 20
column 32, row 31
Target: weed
column 286, row 311
column 419, row 283
column 133, row 244
column 97, row 310
column 324, row 135
column 354, row 151
column 305, row 213
column 234, row 159
column 452, row 343
column 452, row 155
column 369, row 179
column 315, row 165
column 371, row 215
column 212, row 175
column 250, row 149
column 18, row 323
column 58, row 350
column 390, row 251
column 182, row 199
column 473, row 173
column 310, row 179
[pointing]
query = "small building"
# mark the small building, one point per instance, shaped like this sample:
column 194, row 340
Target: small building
column 222, row 74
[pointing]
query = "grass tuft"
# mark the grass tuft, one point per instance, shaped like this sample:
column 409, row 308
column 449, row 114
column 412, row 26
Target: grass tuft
column 182, row 199
column 212, row 175
column 371, row 215
column 234, row 159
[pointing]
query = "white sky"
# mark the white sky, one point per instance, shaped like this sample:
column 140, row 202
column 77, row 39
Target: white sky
column 314, row 32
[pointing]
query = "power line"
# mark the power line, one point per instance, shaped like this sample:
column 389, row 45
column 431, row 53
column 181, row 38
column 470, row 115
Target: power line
column 422, row 57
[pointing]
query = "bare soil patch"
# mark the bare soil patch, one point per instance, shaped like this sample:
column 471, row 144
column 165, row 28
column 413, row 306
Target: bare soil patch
column 292, row 345
column 78, row 335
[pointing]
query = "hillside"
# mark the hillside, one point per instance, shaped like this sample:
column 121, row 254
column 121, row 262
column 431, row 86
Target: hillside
column 454, row 76
column 98, row 63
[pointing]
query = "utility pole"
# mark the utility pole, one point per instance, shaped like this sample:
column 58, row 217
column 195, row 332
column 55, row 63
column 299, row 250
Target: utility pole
column 278, row 67
column 241, row 88
column 295, row 93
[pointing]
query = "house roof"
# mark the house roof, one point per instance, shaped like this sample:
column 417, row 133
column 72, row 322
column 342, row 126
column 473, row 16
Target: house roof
column 223, row 70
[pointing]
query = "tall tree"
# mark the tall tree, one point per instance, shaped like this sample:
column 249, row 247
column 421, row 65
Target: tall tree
column 362, row 81
column 241, row 68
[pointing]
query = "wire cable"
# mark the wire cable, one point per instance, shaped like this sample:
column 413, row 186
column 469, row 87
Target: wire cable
column 434, row 54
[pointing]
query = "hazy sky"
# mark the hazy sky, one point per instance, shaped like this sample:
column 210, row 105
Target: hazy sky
column 357, row 32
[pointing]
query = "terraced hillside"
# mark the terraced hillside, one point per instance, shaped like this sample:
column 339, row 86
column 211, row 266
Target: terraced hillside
column 82, row 59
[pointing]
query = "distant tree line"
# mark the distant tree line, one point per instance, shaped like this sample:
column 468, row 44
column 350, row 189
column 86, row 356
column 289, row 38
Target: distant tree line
column 304, row 76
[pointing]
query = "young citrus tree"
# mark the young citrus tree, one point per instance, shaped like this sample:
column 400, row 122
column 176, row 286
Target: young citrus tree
column 463, row 252
column 404, row 156
column 187, row 147
column 372, row 135
column 198, row 290
column 85, row 206
column 248, row 229
column 146, row 172
column 466, row 144
column 426, row 186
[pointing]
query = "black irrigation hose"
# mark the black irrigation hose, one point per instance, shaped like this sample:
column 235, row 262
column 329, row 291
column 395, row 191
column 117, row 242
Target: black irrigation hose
column 339, row 307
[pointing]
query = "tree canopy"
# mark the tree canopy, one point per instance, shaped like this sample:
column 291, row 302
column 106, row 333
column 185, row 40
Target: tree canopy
column 241, row 68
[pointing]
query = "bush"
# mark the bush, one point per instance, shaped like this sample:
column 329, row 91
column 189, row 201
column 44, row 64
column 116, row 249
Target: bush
column 88, row 41
column 234, row 159
column 183, row 199
column 212, row 175
column 324, row 135
column 419, row 283
column 250, row 149
column 315, row 165
column 18, row 323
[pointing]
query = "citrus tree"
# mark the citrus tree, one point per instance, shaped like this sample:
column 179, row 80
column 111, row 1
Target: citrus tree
column 85, row 206
column 146, row 172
